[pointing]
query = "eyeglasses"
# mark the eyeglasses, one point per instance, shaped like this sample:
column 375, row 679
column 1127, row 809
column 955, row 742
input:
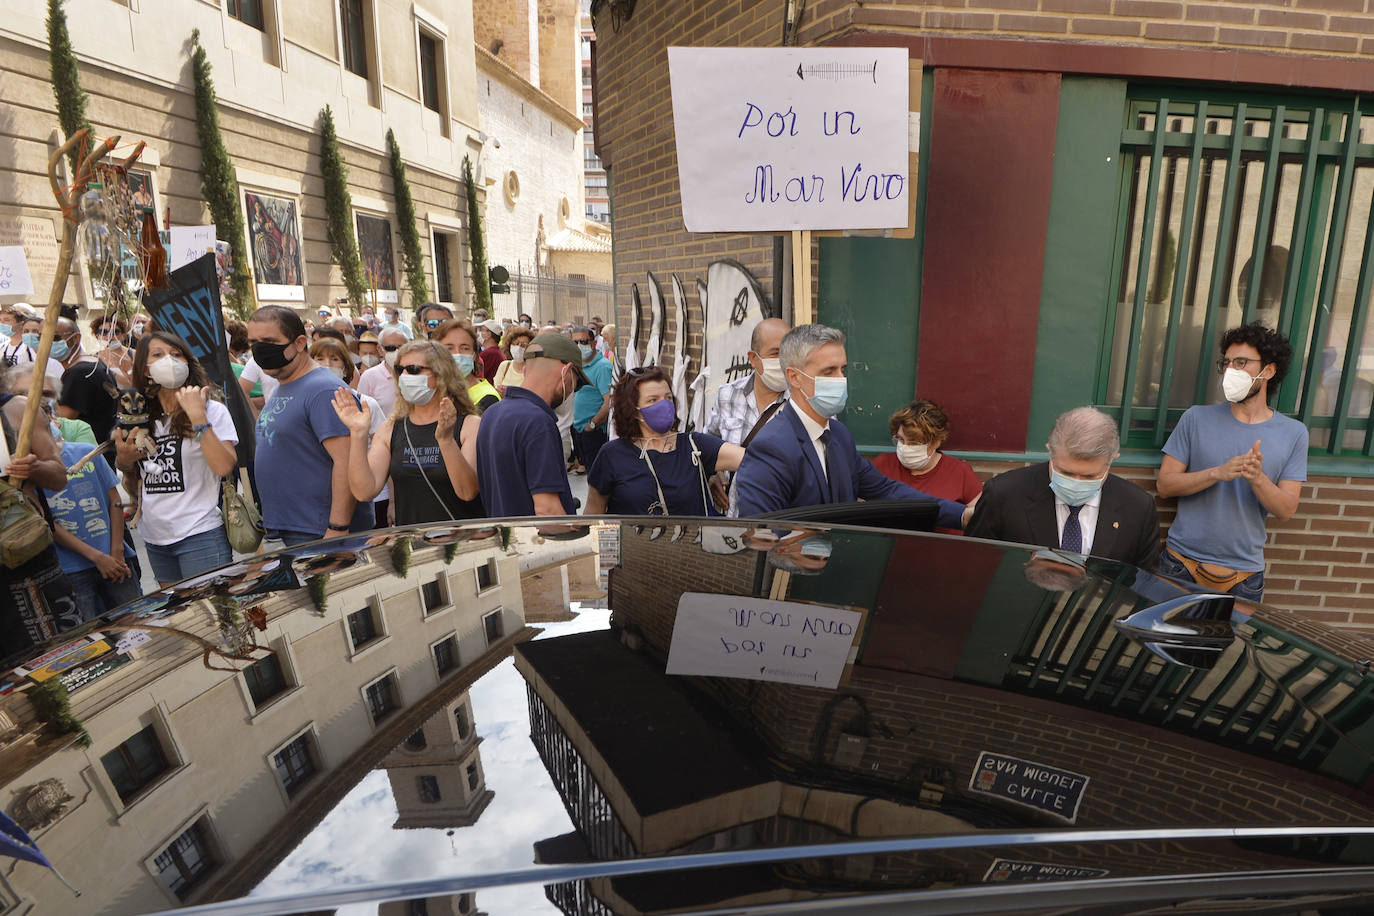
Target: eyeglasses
column 1238, row 362
column 413, row 370
column 391, row 347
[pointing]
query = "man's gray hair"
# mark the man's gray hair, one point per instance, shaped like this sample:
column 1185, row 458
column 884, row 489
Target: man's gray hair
column 799, row 343
column 1085, row 434
column 392, row 332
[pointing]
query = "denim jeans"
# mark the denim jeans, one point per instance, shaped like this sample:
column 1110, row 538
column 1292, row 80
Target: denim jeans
column 95, row 594
column 190, row 556
column 1249, row 589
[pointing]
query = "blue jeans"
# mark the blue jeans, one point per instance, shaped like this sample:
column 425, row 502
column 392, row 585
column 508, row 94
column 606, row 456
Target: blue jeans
column 1249, row 589
column 190, row 556
column 95, row 594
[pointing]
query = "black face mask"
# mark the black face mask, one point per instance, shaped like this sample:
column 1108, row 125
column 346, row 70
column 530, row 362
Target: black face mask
column 270, row 355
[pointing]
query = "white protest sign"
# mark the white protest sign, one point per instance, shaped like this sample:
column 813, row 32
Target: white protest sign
column 772, row 139
column 14, row 272
column 131, row 640
column 186, row 243
column 784, row 641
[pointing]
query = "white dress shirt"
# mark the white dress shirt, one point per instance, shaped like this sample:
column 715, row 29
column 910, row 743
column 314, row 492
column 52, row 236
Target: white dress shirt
column 1087, row 519
column 814, row 430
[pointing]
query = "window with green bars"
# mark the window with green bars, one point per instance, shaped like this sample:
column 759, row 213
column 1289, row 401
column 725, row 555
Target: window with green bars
column 1235, row 209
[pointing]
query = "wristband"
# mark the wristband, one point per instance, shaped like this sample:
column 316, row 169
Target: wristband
column 334, row 527
column 199, row 429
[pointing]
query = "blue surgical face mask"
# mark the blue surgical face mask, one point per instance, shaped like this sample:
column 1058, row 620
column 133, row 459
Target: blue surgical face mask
column 816, row 547
column 585, row 350
column 832, row 392
column 30, row 341
column 466, row 362
column 6, row 330
column 1072, row 491
column 60, row 350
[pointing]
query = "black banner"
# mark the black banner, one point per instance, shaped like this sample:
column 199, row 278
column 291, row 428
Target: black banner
column 190, row 308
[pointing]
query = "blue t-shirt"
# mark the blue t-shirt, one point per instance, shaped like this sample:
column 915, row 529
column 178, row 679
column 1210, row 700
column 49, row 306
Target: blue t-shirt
column 83, row 506
column 588, row 399
column 1224, row 524
column 292, row 466
column 623, row 477
column 520, row 453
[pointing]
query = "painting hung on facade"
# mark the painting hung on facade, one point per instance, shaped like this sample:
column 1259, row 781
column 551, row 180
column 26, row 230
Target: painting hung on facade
column 275, row 238
column 376, row 252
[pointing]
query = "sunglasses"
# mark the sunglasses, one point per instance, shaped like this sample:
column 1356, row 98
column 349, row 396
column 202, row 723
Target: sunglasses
column 432, row 323
column 390, row 348
column 413, row 370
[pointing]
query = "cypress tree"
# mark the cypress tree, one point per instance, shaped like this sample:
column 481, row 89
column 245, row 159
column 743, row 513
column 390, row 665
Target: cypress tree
column 217, row 182
column 411, row 257
column 338, row 208
column 477, row 243
column 66, row 82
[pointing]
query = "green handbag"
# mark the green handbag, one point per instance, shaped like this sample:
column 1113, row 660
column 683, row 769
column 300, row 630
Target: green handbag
column 242, row 520
column 24, row 532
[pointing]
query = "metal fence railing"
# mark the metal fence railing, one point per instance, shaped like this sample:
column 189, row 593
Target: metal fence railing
column 548, row 297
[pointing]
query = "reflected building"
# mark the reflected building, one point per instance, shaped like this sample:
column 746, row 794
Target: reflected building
column 449, row 905
column 973, row 699
column 436, row 773
column 197, row 782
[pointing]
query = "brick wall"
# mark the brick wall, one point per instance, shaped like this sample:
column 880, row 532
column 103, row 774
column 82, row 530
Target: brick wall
column 1308, row 27
column 635, row 135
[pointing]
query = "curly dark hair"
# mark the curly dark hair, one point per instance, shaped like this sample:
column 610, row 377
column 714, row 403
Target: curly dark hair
column 180, row 423
column 925, row 418
column 625, row 398
column 1272, row 346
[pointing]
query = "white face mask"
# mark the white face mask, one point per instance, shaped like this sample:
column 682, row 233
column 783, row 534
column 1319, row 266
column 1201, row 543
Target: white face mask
column 415, row 388
column 1236, row 384
column 391, row 358
column 774, row 379
column 517, row 353
column 913, row 457
column 368, row 361
column 339, row 372
column 169, row 372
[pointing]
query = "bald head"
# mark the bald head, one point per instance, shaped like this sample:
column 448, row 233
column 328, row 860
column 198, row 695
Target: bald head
column 767, row 337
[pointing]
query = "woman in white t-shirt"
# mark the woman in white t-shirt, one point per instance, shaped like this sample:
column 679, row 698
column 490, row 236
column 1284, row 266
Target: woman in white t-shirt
column 181, row 522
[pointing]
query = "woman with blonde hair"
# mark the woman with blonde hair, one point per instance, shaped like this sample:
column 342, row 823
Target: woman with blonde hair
column 427, row 448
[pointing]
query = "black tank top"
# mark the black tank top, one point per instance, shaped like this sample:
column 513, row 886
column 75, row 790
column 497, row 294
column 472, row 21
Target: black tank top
column 414, row 461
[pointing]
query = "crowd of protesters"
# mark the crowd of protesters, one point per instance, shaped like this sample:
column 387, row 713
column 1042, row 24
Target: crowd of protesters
column 370, row 421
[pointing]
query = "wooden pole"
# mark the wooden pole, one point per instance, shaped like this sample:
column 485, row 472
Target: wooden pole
column 802, row 311
column 71, row 217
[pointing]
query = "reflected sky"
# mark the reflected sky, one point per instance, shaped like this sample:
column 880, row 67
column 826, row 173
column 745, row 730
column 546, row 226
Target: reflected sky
column 355, row 844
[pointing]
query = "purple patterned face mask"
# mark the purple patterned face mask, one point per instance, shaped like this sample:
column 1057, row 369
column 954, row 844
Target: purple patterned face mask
column 660, row 415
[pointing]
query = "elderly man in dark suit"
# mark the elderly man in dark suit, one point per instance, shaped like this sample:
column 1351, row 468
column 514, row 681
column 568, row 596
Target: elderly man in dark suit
column 804, row 457
column 1073, row 501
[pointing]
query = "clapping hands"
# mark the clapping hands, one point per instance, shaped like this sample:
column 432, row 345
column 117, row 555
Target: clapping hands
column 357, row 418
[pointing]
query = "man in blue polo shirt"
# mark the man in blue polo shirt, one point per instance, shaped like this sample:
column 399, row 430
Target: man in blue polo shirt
column 520, row 466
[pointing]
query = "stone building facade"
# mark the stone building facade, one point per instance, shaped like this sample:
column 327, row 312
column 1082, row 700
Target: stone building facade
column 399, row 66
column 1052, row 134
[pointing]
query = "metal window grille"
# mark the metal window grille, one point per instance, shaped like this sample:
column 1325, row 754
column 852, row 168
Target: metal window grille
column 381, row 699
column 1231, row 211
column 361, row 627
column 136, row 763
column 559, row 299
column 428, row 787
column 446, row 656
column 184, row 863
column 265, row 679
column 295, row 764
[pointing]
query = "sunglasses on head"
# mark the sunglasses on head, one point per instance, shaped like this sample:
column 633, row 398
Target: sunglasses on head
column 413, row 370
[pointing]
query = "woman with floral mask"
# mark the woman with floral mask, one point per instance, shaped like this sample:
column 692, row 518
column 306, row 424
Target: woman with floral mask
column 427, row 449
column 512, row 371
column 918, row 431
column 653, row 469
column 195, row 438
column 458, row 337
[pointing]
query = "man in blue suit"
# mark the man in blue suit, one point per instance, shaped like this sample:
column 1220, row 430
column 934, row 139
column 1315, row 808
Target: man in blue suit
column 804, row 457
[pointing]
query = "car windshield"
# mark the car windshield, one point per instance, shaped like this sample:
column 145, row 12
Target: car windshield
column 454, row 704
